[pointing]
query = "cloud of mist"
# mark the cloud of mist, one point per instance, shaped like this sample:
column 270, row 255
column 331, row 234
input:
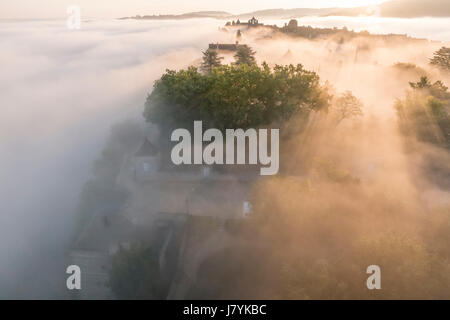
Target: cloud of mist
column 61, row 91
column 351, row 195
column 426, row 28
column 366, row 67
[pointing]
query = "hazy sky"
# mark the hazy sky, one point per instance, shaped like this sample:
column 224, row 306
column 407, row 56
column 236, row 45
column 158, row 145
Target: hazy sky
column 41, row 9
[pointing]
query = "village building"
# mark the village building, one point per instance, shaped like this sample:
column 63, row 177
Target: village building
column 253, row 22
column 146, row 160
column 224, row 46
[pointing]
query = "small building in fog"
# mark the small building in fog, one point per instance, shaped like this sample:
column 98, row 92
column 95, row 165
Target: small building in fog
column 146, row 161
column 224, row 46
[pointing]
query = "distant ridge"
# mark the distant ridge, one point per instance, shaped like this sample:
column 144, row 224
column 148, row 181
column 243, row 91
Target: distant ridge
column 393, row 8
column 289, row 13
column 189, row 15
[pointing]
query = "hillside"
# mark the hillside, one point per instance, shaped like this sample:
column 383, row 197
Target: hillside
column 189, row 15
column 393, row 8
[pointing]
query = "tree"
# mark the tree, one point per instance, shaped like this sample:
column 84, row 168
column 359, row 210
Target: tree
column 437, row 89
column 135, row 274
column 348, row 106
column 243, row 96
column 424, row 112
column 245, row 55
column 292, row 25
column 239, row 34
column 423, row 83
column 210, row 60
column 441, row 59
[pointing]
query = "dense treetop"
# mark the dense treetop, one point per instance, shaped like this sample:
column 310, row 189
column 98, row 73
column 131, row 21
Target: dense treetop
column 237, row 96
column 441, row 59
column 211, row 60
column 425, row 112
column 245, row 55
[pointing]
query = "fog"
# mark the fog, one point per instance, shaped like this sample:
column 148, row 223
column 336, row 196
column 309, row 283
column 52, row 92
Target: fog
column 426, row 28
column 61, row 91
column 308, row 219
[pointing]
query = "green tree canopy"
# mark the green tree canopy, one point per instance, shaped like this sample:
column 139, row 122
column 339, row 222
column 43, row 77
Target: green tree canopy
column 211, row 60
column 240, row 96
column 441, row 58
column 245, row 55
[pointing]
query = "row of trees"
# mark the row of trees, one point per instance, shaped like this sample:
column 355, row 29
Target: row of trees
column 246, row 55
column 236, row 96
column 211, row 59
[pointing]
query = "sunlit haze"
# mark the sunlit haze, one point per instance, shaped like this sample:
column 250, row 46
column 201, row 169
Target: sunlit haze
column 259, row 149
column 21, row 9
